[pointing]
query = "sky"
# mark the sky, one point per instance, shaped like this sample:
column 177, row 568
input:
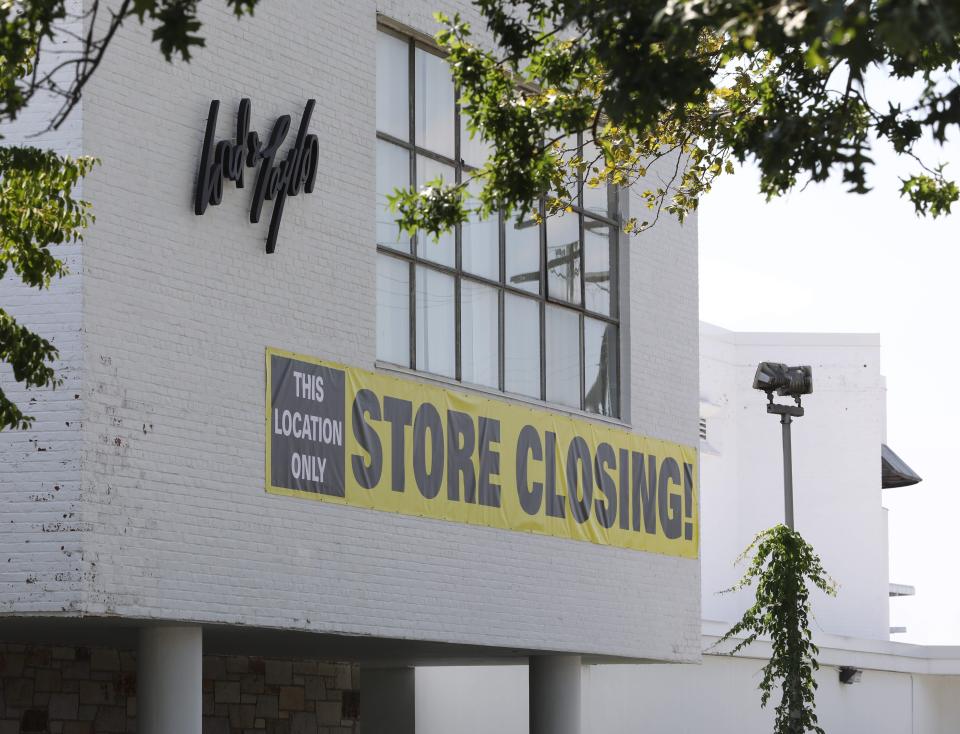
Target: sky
column 824, row 260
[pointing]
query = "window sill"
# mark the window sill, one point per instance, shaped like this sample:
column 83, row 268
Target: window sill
column 489, row 392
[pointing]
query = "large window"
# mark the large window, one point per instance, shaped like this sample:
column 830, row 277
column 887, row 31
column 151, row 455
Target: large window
column 518, row 306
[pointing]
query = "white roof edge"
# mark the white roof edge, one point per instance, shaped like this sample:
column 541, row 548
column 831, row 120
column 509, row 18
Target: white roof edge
column 902, row 589
column 793, row 338
column 707, row 327
column 798, row 339
column 709, row 408
column 882, row 655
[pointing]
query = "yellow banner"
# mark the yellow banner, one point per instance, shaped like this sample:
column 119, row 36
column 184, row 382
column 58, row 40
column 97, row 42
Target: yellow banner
column 344, row 435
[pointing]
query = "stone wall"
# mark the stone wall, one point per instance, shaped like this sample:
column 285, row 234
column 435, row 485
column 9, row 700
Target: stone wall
column 90, row 690
column 244, row 694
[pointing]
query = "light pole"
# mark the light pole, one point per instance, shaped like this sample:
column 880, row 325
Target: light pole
column 774, row 377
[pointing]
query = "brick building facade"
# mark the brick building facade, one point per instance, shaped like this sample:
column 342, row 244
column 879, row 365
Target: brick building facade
column 136, row 504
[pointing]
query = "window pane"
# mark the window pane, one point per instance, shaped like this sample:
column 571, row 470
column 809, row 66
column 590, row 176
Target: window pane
column 600, row 261
column 473, row 151
column 600, row 367
column 435, row 103
column 480, row 243
column 435, row 322
column 595, row 201
column 393, row 310
column 521, row 345
column 441, row 251
column 563, row 356
column 393, row 171
column 393, row 87
column 479, row 334
column 594, row 197
column 522, row 253
column 563, row 257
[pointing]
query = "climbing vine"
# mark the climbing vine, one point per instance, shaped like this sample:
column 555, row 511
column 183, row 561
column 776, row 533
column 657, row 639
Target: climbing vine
column 784, row 568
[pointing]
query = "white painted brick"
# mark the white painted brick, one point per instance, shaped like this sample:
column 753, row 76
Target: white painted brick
column 176, row 313
column 41, row 563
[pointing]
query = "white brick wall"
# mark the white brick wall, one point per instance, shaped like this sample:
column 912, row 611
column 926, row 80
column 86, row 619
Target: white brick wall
column 41, row 568
column 837, row 483
column 178, row 310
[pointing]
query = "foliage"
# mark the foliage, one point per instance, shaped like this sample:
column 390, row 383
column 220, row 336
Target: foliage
column 37, row 210
column 37, row 207
column 26, row 26
column 784, row 567
column 695, row 84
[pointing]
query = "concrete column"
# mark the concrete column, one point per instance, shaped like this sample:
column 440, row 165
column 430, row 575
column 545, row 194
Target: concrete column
column 554, row 694
column 170, row 680
column 388, row 700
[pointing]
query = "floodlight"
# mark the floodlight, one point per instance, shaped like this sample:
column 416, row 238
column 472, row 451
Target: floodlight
column 789, row 381
column 850, row 675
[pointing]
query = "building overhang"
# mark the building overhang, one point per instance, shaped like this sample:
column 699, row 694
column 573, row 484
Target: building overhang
column 894, row 471
column 230, row 639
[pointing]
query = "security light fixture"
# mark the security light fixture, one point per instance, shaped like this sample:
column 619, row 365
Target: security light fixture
column 785, row 381
column 850, row 675
column 793, row 382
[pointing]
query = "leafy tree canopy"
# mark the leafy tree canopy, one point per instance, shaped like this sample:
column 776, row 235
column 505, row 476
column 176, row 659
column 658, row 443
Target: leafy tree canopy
column 28, row 26
column 702, row 83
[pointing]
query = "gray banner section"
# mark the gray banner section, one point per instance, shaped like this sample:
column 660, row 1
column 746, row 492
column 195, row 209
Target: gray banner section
column 307, row 426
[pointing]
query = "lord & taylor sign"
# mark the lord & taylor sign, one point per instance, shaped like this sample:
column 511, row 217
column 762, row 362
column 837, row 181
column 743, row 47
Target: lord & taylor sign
column 275, row 180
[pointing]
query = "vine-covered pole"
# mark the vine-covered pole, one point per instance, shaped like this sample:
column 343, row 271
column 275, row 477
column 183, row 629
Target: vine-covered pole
column 784, row 569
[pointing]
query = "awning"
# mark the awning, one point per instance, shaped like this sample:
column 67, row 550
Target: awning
column 895, row 472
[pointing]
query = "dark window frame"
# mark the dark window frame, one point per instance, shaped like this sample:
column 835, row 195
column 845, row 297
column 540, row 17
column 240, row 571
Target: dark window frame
column 543, row 298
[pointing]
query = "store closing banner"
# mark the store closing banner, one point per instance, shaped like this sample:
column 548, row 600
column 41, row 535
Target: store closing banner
column 348, row 436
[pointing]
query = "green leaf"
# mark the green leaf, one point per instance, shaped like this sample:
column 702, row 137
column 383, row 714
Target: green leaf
column 37, row 211
column 783, row 567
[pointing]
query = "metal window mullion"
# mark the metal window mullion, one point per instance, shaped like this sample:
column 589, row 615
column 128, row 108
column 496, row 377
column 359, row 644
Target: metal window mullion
column 413, row 243
column 542, row 231
column 542, row 295
column 543, row 349
column 412, row 87
column 458, row 337
column 613, row 205
column 615, row 408
column 467, row 275
column 438, row 157
column 501, row 341
column 413, row 315
column 582, row 246
column 393, row 140
column 596, row 217
column 581, row 230
column 583, row 360
column 502, row 303
column 624, row 368
column 457, row 254
column 417, row 149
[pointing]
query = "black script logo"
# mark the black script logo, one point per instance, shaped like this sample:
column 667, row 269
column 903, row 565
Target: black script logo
column 275, row 182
